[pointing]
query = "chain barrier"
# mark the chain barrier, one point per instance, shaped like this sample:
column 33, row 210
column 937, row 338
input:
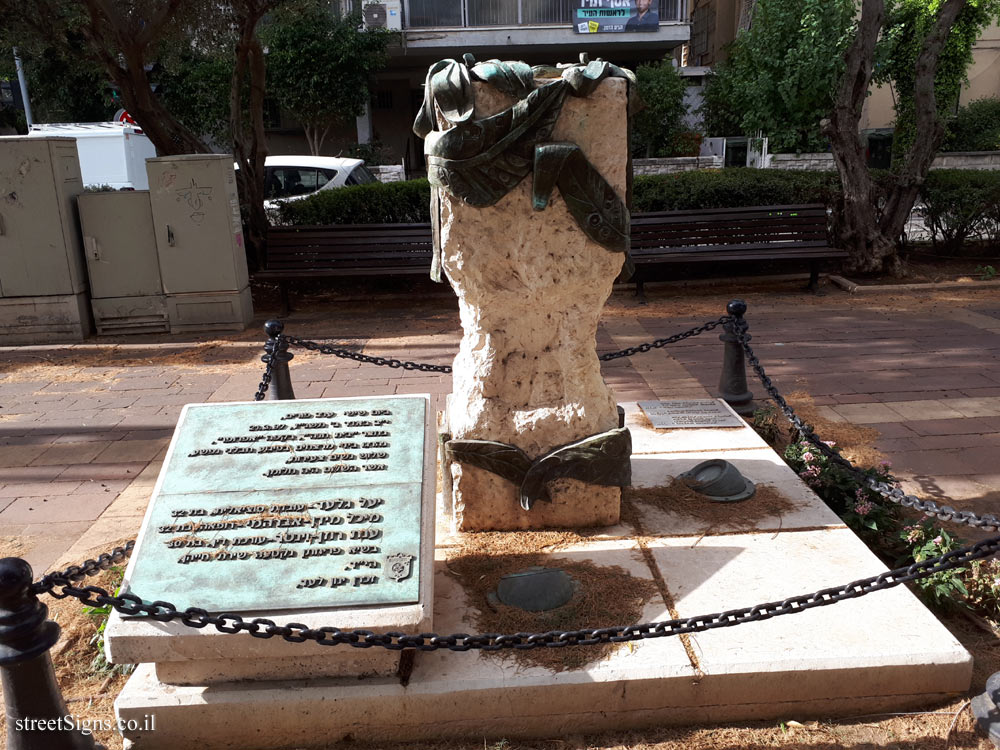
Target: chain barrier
column 315, row 346
column 658, row 343
column 60, row 585
column 892, row 493
column 265, row 379
column 259, row 627
column 89, row 568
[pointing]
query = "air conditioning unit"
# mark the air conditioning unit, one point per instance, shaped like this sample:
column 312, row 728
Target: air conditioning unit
column 383, row 15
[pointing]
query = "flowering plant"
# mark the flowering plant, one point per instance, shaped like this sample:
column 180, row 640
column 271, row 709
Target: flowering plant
column 926, row 540
column 861, row 508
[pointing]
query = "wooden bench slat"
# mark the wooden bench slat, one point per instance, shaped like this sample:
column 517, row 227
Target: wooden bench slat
column 788, row 232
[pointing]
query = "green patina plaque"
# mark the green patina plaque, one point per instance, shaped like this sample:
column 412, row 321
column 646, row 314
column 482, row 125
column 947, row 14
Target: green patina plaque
column 287, row 505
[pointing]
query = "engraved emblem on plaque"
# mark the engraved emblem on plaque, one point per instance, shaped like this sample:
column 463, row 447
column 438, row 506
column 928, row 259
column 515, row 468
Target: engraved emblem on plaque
column 399, row 566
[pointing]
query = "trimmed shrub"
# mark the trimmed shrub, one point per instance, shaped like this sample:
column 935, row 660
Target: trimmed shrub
column 959, row 204
column 375, row 203
column 733, row 187
column 976, row 127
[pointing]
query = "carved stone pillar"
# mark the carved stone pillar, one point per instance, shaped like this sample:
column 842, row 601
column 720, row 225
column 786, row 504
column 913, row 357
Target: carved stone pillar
column 531, row 285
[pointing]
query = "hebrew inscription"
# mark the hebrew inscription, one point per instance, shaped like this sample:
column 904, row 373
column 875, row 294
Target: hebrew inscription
column 289, row 504
column 703, row 412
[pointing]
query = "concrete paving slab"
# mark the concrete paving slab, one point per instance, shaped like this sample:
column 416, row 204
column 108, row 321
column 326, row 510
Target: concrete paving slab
column 786, row 666
column 929, row 409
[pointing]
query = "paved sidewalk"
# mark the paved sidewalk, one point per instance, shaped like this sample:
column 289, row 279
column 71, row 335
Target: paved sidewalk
column 83, row 428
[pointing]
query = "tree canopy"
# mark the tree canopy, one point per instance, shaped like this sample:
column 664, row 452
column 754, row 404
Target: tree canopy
column 320, row 62
column 780, row 75
column 907, row 25
column 659, row 129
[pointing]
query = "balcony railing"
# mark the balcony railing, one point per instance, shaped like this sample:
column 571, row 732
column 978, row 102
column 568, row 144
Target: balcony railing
column 475, row 13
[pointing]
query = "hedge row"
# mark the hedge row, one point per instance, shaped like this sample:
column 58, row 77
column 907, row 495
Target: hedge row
column 959, row 204
column 375, row 203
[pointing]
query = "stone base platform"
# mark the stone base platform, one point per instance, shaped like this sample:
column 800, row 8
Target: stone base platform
column 880, row 652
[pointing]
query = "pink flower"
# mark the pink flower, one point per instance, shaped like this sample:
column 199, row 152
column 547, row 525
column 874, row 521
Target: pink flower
column 829, row 443
column 937, row 540
column 807, row 456
column 863, row 508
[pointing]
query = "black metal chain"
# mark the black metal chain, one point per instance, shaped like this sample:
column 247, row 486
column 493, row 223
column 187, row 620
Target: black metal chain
column 88, row 568
column 259, row 627
column 315, row 346
column 658, row 343
column 265, row 379
column 227, row 622
column 891, row 493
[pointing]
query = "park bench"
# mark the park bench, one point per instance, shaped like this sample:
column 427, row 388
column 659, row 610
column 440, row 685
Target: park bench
column 658, row 239
column 730, row 234
column 306, row 252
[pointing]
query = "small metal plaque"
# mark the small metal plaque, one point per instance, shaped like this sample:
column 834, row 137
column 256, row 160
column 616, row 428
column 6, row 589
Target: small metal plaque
column 287, row 505
column 703, row 412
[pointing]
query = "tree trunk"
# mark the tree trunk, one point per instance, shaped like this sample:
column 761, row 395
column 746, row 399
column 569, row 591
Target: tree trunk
column 929, row 127
column 871, row 242
column 249, row 144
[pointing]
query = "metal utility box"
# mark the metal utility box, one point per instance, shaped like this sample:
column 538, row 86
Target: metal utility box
column 199, row 240
column 43, row 278
column 120, row 249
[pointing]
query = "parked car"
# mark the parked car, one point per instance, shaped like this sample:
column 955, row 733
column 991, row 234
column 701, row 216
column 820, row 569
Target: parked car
column 294, row 177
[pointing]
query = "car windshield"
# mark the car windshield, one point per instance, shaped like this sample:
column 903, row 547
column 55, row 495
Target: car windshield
column 361, row 175
column 286, row 182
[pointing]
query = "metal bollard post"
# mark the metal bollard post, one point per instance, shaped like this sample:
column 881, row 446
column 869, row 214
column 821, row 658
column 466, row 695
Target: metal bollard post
column 733, row 382
column 35, row 709
column 280, row 387
column 986, row 711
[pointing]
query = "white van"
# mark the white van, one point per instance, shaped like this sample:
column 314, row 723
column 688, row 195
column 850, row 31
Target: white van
column 111, row 153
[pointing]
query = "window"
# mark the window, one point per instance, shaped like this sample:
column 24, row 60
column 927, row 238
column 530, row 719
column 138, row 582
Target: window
column 361, row 175
column 435, row 13
column 286, row 182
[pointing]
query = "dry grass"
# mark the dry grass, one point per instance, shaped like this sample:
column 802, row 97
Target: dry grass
column 857, row 442
column 606, row 595
column 89, row 696
column 677, row 497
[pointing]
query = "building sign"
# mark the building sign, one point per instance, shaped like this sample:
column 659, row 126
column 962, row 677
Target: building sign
column 600, row 16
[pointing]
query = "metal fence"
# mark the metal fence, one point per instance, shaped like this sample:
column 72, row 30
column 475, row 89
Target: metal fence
column 474, row 13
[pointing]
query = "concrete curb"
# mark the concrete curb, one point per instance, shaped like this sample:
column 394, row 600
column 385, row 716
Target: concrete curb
column 853, row 288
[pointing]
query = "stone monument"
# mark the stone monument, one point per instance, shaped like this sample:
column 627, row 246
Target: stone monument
column 535, row 435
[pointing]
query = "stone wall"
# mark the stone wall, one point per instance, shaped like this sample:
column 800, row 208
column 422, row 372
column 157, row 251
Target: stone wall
column 389, row 172
column 803, row 162
column 675, row 164
column 953, row 160
column 967, row 160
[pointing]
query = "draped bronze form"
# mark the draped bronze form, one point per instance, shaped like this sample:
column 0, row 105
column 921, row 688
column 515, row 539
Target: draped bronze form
column 603, row 459
column 480, row 161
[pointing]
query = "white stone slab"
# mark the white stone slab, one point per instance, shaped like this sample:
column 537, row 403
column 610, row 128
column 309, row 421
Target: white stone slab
column 647, row 439
column 876, row 653
column 885, row 643
column 761, row 466
column 190, row 656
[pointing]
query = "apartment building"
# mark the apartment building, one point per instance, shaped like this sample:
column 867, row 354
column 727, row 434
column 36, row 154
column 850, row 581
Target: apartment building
column 536, row 31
